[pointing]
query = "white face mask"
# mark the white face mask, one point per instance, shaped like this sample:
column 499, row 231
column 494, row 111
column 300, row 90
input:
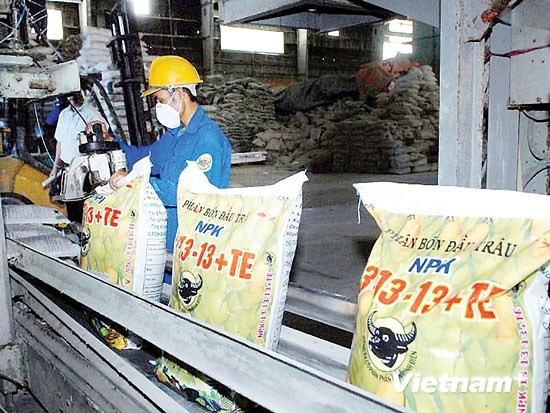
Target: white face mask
column 167, row 115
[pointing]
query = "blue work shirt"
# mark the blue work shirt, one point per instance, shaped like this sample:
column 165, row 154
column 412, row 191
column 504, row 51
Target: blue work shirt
column 202, row 141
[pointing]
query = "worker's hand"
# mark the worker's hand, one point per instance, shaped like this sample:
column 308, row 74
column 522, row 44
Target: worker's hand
column 54, row 170
column 114, row 180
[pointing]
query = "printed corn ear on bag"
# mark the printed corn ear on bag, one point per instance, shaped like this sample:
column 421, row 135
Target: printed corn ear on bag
column 453, row 309
column 232, row 258
column 124, row 234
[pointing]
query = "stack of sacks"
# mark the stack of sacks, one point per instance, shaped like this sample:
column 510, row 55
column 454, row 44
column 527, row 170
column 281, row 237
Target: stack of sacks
column 399, row 135
column 244, row 107
column 95, row 57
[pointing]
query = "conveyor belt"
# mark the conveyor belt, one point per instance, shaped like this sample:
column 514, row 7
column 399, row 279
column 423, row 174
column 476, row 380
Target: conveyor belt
column 307, row 372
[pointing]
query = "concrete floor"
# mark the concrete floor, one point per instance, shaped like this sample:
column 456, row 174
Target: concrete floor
column 332, row 245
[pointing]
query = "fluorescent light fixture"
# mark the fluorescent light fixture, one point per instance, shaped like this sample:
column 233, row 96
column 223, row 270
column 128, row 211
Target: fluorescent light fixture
column 252, row 40
column 397, row 44
column 391, row 49
column 334, row 33
column 401, row 26
column 141, row 6
column 55, row 24
column 399, row 39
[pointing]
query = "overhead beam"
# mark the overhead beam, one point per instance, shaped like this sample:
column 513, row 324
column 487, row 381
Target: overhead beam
column 32, row 83
column 246, row 11
column 233, row 11
column 328, row 22
column 426, row 11
column 318, row 22
column 342, row 13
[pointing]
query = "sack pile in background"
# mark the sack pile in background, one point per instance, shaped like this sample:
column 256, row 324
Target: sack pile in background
column 95, row 57
column 244, row 107
column 399, row 135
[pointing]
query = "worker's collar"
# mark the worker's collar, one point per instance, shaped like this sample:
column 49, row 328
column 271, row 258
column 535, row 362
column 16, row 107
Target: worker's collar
column 195, row 120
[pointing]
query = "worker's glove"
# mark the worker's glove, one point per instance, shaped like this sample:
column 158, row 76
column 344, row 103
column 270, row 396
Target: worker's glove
column 115, row 179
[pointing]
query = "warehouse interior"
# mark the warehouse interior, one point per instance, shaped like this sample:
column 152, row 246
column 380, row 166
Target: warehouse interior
column 434, row 93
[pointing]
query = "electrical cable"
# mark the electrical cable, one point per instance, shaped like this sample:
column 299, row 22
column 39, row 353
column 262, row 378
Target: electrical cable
column 11, row 380
column 78, row 112
column 42, row 134
column 16, row 26
column 5, row 25
column 518, row 52
column 534, row 119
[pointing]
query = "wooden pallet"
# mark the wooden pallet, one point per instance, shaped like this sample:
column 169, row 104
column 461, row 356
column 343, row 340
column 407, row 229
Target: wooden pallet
column 248, row 157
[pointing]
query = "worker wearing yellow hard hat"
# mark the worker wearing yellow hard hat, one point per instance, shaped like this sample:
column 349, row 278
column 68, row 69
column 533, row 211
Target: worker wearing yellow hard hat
column 172, row 71
column 191, row 135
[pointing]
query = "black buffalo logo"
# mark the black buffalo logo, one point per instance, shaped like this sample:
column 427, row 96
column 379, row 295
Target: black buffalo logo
column 85, row 241
column 516, row 289
column 188, row 289
column 270, row 259
column 387, row 345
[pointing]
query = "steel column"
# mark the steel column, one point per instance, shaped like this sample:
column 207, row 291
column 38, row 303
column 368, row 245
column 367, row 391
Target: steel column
column 303, row 60
column 462, row 89
column 11, row 367
column 83, row 14
column 6, row 316
column 207, row 33
column 126, row 53
column 503, row 140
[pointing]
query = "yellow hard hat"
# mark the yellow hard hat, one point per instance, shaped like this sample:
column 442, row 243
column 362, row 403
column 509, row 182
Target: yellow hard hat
column 171, row 71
